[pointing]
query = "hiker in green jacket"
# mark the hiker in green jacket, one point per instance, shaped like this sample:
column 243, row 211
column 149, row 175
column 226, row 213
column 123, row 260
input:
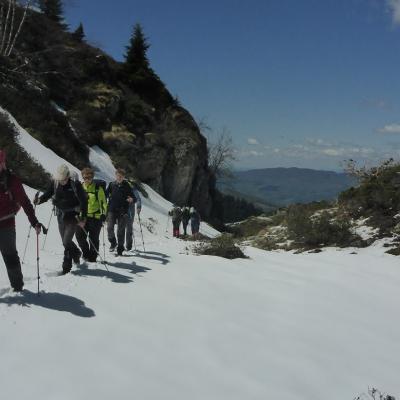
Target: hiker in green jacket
column 88, row 236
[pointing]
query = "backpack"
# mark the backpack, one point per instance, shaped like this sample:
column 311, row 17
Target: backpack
column 73, row 185
column 99, row 183
column 176, row 213
column 111, row 187
column 73, row 180
column 6, row 185
column 185, row 214
column 134, row 187
column 8, row 191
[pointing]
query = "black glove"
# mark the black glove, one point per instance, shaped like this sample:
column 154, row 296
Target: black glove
column 102, row 218
column 36, row 200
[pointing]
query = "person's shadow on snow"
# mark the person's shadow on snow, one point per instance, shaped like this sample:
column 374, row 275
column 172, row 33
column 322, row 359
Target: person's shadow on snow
column 152, row 255
column 132, row 267
column 52, row 301
column 101, row 273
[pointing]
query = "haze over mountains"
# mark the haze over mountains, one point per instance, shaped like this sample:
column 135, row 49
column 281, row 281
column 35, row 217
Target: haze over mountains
column 284, row 186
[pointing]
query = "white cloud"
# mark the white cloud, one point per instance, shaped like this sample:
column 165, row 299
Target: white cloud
column 316, row 153
column 379, row 104
column 392, row 128
column 245, row 153
column 394, row 6
column 256, row 153
column 318, row 142
column 332, row 152
column 252, row 141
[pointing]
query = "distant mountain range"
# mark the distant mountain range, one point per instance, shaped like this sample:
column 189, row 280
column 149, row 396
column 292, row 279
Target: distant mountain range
column 284, row 186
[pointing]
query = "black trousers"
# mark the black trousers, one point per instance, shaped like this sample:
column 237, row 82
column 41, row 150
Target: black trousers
column 129, row 228
column 121, row 221
column 185, row 224
column 67, row 228
column 89, row 241
column 9, row 252
column 175, row 225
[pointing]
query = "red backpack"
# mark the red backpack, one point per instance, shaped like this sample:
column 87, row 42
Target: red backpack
column 8, row 206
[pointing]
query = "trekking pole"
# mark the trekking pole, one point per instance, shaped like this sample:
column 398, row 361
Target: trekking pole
column 48, row 226
column 141, row 231
column 30, row 227
column 26, row 244
column 104, row 246
column 134, row 239
column 37, row 256
column 37, row 262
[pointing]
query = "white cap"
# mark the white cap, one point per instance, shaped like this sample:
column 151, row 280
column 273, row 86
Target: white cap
column 62, row 173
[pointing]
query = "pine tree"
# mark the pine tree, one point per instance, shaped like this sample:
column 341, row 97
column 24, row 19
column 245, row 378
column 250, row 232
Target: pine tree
column 79, row 34
column 52, row 9
column 136, row 57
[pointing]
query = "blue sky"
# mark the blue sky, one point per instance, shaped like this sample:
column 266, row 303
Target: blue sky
column 304, row 83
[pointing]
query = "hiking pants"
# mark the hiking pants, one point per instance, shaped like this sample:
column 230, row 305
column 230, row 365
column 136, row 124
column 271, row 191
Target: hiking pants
column 129, row 228
column 195, row 225
column 67, row 228
column 121, row 221
column 10, row 256
column 175, row 225
column 89, row 245
column 185, row 224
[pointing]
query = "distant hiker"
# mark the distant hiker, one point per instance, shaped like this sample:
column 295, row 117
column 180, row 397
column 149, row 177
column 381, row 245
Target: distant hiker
column 12, row 197
column 185, row 219
column 88, row 236
column 120, row 197
column 176, row 216
column 194, row 221
column 70, row 201
column 131, row 214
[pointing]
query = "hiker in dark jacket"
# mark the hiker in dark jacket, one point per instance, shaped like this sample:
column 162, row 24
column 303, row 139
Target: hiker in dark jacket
column 69, row 198
column 185, row 219
column 120, row 197
column 88, row 237
column 176, row 216
column 194, row 221
column 12, row 197
column 131, row 214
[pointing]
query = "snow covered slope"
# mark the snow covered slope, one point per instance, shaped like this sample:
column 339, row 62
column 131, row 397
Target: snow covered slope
column 165, row 324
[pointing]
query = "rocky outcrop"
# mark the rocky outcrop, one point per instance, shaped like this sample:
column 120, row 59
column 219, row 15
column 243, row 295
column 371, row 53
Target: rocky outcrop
column 71, row 96
column 172, row 158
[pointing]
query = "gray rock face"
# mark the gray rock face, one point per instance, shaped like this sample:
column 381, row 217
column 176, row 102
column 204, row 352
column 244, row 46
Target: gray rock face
column 172, row 158
column 187, row 160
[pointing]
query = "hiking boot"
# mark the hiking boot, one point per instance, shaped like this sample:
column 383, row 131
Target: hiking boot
column 65, row 271
column 66, row 265
column 18, row 289
column 128, row 248
column 113, row 247
column 76, row 257
column 119, row 251
column 92, row 258
column 86, row 256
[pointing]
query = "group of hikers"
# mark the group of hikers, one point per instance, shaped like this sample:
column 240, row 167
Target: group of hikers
column 184, row 215
column 81, row 209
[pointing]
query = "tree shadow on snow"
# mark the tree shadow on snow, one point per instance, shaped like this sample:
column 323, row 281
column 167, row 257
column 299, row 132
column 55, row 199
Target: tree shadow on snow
column 52, row 301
